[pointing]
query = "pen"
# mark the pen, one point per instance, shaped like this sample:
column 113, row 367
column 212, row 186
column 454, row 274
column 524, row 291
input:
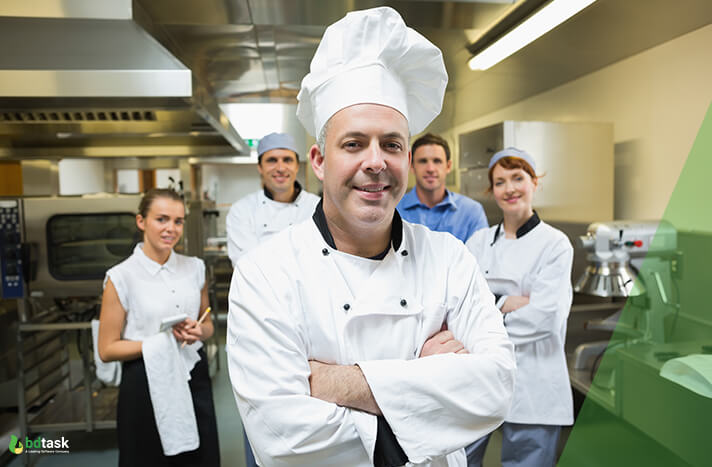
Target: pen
column 200, row 321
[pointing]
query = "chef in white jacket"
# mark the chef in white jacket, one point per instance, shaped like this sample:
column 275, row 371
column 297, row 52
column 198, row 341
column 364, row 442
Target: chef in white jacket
column 280, row 203
column 355, row 338
column 527, row 264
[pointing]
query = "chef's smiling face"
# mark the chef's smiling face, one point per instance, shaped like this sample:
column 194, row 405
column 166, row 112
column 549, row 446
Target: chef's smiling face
column 513, row 189
column 163, row 225
column 278, row 168
column 365, row 166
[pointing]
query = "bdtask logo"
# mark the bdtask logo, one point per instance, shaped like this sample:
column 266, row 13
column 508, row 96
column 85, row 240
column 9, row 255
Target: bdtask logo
column 15, row 445
column 39, row 445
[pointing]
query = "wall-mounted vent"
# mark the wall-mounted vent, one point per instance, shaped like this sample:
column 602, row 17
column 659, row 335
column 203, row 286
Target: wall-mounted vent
column 77, row 116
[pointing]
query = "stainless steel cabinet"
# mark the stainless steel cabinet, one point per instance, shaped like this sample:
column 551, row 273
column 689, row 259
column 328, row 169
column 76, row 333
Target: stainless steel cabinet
column 575, row 159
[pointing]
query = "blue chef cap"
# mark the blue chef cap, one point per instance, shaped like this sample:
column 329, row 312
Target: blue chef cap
column 276, row 141
column 513, row 152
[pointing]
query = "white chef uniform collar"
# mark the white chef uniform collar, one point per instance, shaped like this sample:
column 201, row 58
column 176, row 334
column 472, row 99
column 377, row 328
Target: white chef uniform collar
column 372, row 57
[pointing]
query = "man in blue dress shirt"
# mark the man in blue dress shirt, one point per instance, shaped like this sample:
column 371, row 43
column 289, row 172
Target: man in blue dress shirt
column 430, row 203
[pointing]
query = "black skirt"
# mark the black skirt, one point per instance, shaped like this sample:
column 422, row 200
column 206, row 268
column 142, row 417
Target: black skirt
column 139, row 442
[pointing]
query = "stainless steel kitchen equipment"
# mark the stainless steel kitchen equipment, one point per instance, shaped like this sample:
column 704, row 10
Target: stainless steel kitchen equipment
column 74, row 241
column 11, row 267
column 575, row 159
column 634, row 259
column 623, row 375
column 77, row 401
column 615, row 251
column 12, row 294
column 83, row 79
column 200, row 221
column 53, row 255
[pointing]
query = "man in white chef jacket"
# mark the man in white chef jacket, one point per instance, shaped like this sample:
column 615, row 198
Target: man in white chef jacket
column 280, row 203
column 336, row 344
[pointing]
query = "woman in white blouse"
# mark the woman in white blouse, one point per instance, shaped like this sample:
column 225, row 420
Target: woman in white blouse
column 153, row 284
column 527, row 264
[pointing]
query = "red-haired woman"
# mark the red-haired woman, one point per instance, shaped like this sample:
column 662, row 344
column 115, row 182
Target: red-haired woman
column 527, row 264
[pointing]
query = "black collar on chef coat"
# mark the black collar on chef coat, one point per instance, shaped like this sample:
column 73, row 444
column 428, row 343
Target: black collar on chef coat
column 297, row 190
column 396, row 230
column 521, row 231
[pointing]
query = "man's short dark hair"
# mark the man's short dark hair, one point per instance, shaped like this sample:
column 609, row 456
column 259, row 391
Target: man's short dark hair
column 430, row 138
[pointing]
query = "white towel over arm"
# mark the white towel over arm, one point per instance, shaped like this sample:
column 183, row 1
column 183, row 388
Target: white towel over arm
column 108, row 373
column 168, row 372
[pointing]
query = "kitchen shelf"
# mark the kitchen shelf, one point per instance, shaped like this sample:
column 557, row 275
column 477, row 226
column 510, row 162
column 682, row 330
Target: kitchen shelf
column 67, row 412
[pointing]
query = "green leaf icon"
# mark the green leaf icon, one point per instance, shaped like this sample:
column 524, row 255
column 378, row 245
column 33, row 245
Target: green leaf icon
column 15, row 445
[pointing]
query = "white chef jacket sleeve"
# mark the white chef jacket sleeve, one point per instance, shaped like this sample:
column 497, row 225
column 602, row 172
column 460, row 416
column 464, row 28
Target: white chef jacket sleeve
column 439, row 404
column 240, row 227
column 549, row 301
column 269, row 371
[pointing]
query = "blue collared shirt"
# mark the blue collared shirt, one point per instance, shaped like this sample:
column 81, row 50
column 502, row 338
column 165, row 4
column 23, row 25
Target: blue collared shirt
column 457, row 214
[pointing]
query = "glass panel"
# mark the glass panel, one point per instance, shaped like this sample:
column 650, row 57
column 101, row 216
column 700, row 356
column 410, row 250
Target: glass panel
column 84, row 246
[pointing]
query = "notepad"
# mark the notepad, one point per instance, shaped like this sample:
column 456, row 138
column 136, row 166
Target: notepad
column 171, row 321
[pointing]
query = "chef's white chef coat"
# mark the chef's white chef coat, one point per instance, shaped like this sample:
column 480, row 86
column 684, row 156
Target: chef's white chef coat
column 150, row 292
column 256, row 217
column 536, row 264
column 292, row 300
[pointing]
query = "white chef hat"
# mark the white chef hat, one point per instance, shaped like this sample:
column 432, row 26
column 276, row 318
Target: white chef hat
column 372, row 57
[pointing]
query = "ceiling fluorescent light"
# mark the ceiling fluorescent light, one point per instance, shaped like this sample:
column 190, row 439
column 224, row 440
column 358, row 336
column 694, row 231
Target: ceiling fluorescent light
column 541, row 22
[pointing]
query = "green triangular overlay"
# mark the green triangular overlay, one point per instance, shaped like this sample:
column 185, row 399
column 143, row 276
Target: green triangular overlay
column 632, row 416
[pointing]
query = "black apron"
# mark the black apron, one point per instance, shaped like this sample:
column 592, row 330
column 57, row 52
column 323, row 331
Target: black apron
column 139, row 442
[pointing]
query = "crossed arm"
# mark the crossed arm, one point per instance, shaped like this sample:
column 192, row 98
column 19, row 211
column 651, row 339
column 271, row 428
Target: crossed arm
column 542, row 313
column 298, row 411
column 346, row 385
column 513, row 303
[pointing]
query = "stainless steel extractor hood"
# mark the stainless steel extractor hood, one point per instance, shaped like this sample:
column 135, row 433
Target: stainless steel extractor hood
column 80, row 78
